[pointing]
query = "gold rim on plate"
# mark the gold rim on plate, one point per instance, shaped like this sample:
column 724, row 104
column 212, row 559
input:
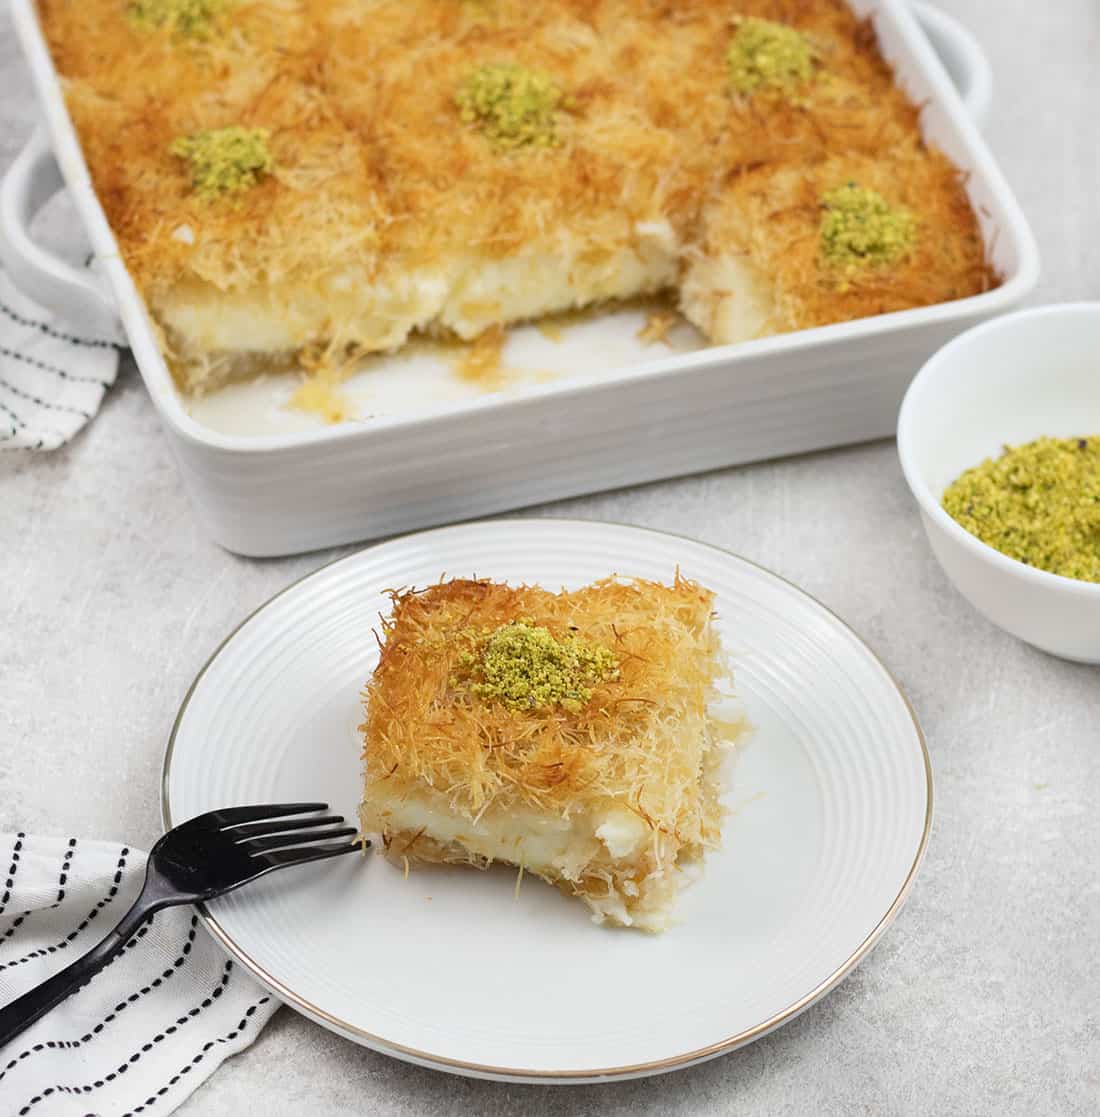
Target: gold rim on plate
column 633, row 1070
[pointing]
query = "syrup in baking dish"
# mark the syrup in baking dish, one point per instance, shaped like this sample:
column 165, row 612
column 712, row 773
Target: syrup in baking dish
column 427, row 374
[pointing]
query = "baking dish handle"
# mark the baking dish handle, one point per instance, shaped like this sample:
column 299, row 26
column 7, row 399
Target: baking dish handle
column 70, row 292
column 962, row 56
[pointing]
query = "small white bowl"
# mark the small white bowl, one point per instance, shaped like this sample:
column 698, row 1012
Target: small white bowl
column 1010, row 380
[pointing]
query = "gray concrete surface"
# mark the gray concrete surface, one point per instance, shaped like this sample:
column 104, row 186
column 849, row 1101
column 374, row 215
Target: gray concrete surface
column 981, row 1000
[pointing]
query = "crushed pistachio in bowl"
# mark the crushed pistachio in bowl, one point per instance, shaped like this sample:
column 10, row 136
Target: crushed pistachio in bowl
column 1038, row 503
column 989, row 439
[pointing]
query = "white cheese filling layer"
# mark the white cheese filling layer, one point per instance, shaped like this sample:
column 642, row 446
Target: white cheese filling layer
column 465, row 295
column 727, row 298
column 554, row 847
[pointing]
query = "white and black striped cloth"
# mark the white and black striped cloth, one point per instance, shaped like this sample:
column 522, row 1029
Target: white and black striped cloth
column 148, row 1029
column 52, row 378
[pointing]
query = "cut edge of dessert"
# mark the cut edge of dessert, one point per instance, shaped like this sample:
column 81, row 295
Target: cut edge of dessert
column 576, row 736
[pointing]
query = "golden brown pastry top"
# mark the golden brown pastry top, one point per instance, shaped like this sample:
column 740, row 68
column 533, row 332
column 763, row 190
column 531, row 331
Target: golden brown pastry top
column 373, row 161
column 426, row 728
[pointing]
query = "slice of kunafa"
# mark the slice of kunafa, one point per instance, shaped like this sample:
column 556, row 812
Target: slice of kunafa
column 570, row 734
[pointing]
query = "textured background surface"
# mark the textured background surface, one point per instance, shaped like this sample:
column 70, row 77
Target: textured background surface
column 982, row 999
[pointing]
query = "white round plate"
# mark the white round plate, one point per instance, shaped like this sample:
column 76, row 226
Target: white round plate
column 831, row 805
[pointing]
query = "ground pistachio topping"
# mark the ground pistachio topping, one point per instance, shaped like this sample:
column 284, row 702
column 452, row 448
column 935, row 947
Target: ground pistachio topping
column 225, row 160
column 513, row 106
column 1038, row 503
column 859, row 228
column 523, row 666
column 767, row 55
column 193, row 19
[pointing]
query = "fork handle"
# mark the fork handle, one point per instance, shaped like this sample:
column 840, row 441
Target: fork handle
column 35, row 1003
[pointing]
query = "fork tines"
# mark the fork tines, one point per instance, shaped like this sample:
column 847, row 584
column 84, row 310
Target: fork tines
column 230, row 816
column 268, row 836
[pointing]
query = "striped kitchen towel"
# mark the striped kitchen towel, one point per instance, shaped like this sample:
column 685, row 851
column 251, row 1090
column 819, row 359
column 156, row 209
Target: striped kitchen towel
column 148, row 1029
column 52, row 378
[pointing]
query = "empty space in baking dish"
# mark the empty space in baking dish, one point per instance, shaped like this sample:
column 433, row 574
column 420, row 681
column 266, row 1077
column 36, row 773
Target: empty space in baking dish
column 588, row 345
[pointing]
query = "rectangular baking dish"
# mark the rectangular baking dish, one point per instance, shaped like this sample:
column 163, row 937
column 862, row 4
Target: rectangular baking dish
column 724, row 405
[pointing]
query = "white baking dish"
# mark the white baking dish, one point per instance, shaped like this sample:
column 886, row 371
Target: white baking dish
column 281, row 493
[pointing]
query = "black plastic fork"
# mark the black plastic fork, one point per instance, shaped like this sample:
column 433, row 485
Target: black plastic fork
column 198, row 860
